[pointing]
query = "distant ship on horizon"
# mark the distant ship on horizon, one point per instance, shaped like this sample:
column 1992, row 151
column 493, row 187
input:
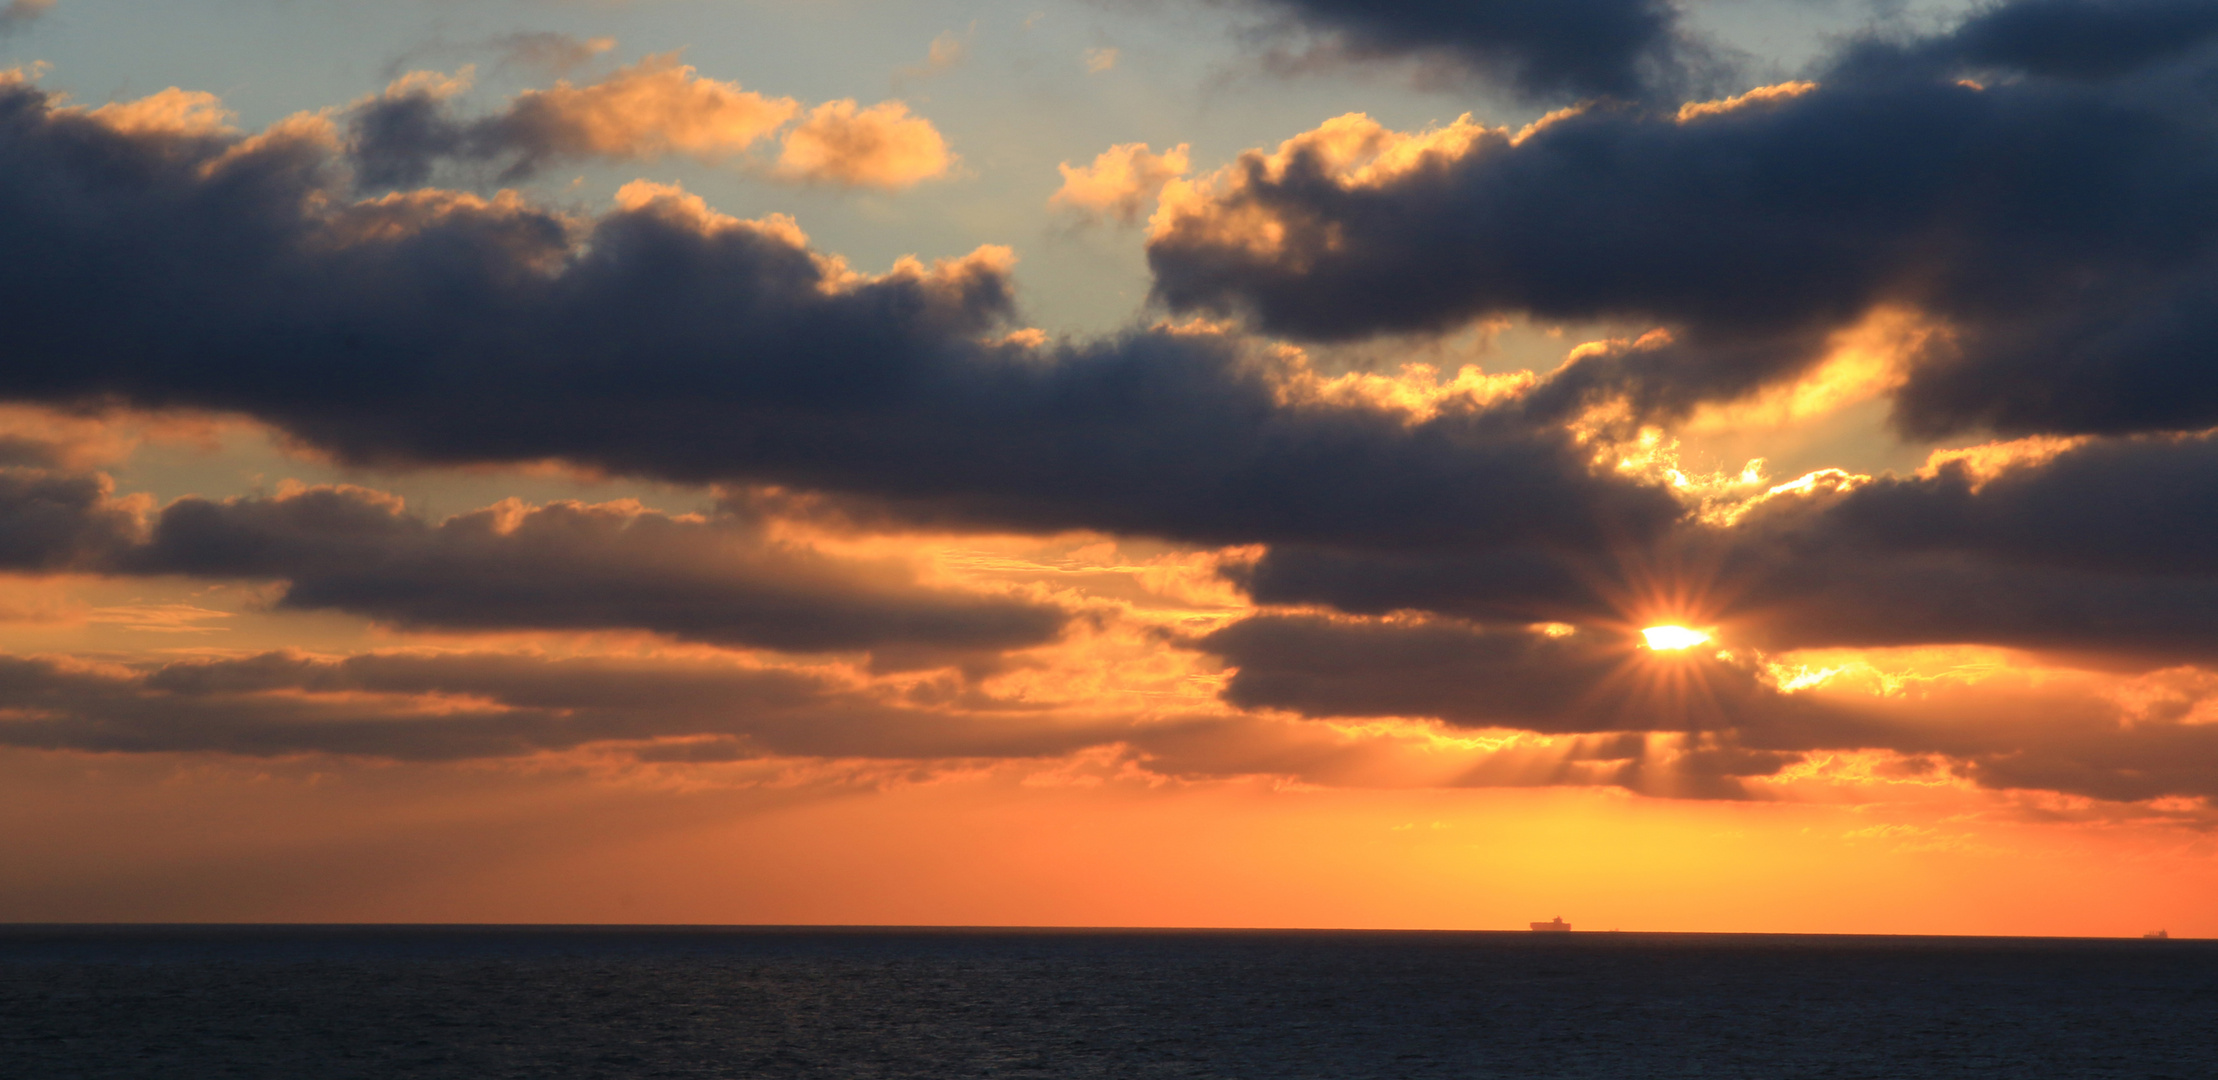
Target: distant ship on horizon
column 2153, row 935
column 1557, row 926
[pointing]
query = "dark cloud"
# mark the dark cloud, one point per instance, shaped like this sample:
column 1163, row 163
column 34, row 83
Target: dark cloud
column 2063, row 230
column 1468, row 675
column 453, row 706
column 2094, row 552
column 722, row 580
column 2087, row 39
column 1732, row 721
column 1568, row 681
column 1547, row 49
column 574, row 567
column 660, row 340
column 53, row 520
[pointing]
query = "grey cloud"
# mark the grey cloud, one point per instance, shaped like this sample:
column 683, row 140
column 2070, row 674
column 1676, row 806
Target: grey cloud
column 2097, row 552
column 549, row 51
column 1697, row 765
column 569, row 566
column 1479, row 676
column 657, row 340
column 1732, row 723
column 1546, row 49
column 2061, row 227
column 2080, row 38
column 564, row 566
column 53, row 520
column 454, row 706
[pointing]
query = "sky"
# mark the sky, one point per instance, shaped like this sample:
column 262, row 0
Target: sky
column 1738, row 465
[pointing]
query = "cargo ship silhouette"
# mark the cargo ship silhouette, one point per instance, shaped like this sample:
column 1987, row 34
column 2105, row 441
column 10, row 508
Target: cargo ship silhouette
column 1558, row 926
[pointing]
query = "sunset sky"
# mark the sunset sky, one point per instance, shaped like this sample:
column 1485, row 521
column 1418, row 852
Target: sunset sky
column 1112, row 462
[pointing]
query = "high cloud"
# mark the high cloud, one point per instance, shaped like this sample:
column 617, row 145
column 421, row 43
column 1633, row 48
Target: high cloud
column 2052, row 221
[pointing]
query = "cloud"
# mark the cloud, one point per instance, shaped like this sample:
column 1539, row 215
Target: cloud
column 1121, row 184
column 465, row 705
column 1543, row 49
column 721, row 580
column 653, row 109
column 947, row 52
column 2080, row 38
column 2086, row 552
column 1100, row 61
column 662, row 339
column 17, row 14
column 569, row 566
column 2064, row 733
column 2053, row 228
column 548, row 51
column 881, row 147
column 52, row 520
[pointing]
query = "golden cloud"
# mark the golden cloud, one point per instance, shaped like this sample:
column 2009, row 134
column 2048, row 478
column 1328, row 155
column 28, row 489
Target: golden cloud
column 1120, row 183
column 881, row 146
column 652, row 109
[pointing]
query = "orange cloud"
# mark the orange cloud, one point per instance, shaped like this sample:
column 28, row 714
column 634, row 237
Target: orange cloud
column 881, row 146
column 172, row 111
column 1760, row 96
column 655, row 108
column 1120, row 183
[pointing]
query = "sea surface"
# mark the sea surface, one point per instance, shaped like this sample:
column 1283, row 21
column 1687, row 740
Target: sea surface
column 331, row 1002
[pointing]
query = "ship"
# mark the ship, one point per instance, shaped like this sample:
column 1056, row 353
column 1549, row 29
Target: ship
column 1557, row 926
column 2153, row 935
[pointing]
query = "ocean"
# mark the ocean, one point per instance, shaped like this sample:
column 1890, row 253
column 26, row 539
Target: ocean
column 333, row 1002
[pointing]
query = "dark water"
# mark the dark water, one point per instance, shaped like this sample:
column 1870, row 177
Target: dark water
column 182, row 1003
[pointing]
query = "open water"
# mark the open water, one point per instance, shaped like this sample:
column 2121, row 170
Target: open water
column 328, row 1003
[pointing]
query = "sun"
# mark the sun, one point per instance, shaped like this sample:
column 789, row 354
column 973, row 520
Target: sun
column 1673, row 638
